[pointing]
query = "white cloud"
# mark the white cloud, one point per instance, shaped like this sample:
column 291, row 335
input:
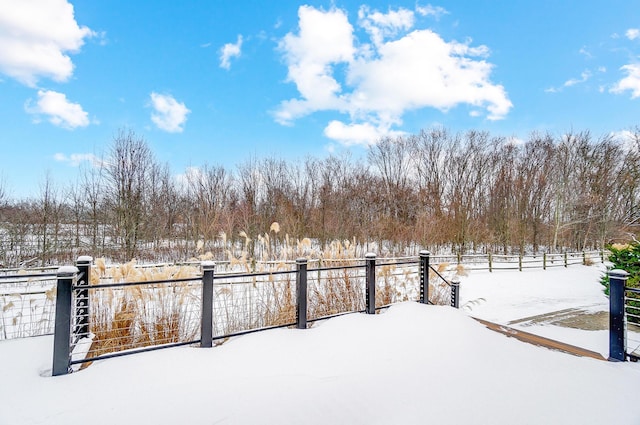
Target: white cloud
column 631, row 82
column 376, row 83
column 325, row 39
column 60, row 111
column 357, row 134
column 584, row 76
column 629, row 140
column 515, row 141
column 229, row 51
column 36, row 37
column 584, row 51
column 75, row 159
column 191, row 174
column 169, row 114
column 384, row 25
column 632, row 33
column 429, row 10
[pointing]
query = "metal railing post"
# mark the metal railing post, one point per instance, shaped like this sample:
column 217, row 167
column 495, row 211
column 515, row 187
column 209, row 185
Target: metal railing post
column 455, row 292
column 544, row 261
column 370, row 259
column 490, row 263
column 565, row 259
column 206, row 315
column 301, row 293
column 83, row 263
column 62, row 329
column 424, row 276
column 617, row 343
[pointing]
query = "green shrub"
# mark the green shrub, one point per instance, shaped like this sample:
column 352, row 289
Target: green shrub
column 627, row 257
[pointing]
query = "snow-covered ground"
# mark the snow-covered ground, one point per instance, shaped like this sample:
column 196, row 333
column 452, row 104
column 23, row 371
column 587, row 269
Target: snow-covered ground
column 412, row 364
column 538, row 302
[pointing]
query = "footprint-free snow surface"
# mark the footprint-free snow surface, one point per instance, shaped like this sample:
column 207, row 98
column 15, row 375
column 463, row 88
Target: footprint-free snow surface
column 413, row 364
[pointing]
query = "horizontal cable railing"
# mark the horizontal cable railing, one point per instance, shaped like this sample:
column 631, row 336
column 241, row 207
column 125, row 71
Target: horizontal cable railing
column 27, row 304
column 108, row 319
column 118, row 311
column 632, row 311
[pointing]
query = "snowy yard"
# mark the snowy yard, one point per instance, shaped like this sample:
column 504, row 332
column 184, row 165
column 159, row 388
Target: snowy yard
column 412, row 364
column 509, row 298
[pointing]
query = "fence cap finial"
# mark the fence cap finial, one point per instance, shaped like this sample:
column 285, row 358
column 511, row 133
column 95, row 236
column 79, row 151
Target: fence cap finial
column 208, row 264
column 84, row 259
column 370, row 255
column 67, row 270
column 619, row 273
column 424, row 252
column 301, row 260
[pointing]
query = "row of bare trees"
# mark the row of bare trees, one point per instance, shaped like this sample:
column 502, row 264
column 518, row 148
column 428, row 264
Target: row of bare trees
column 458, row 191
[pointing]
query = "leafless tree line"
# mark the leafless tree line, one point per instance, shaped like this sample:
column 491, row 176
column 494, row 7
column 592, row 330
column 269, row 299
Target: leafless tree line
column 440, row 190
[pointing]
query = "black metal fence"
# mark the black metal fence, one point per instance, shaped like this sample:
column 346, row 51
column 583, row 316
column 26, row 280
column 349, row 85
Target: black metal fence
column 117, row 318
column 624, row 318
column 27, row 302
column 104, row 320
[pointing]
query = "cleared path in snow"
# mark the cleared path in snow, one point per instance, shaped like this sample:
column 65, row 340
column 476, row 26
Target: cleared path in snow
column 541, row 341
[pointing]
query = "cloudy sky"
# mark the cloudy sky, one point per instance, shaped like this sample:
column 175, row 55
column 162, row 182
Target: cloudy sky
column 225, row 81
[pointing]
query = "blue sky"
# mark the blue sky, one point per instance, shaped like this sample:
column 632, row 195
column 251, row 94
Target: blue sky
column 225, row 81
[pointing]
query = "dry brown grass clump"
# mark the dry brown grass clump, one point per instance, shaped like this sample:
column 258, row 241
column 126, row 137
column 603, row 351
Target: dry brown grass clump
column 142, row 315
column 28, row 311
column 137, row 316
column 439, row 291
column 337, row 291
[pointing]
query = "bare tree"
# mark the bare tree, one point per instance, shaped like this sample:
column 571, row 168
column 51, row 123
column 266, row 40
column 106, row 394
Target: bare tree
column 501, row 204
column 4, row 197
column 209, row 189
column 393, row 161
column 628, row 184
column 48, row 221
column 533, row 194
column 467, row 166
column 127, row 173
column 92, row 188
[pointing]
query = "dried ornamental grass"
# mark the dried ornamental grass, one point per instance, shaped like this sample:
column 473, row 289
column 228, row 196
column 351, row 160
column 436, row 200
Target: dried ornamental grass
column 139, row 316
column 143, row 315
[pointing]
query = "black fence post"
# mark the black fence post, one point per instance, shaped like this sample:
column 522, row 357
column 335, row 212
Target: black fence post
column 424, row 276
column 565, row 259
column 490, row 263
column 83, row 263
column 455, row 292
column 617, row 344
column 301, row 292
column 62, row 329
column 206, row 315
column 544, row 261
column 370, row 259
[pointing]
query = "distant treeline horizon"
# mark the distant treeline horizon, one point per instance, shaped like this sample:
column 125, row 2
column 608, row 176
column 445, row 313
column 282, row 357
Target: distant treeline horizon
column 436, row 188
